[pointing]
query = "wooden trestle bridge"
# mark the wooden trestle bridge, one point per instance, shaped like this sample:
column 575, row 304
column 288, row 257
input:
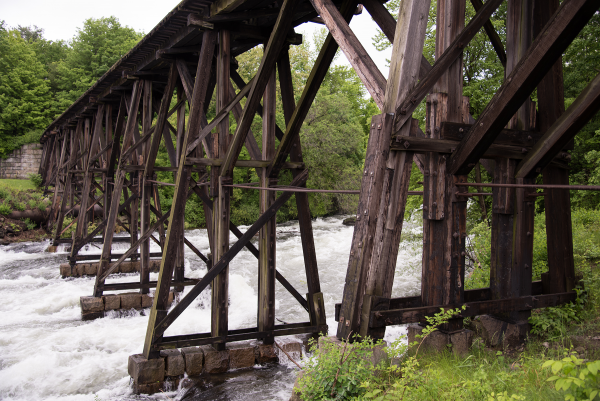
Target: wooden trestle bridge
column 107, row 142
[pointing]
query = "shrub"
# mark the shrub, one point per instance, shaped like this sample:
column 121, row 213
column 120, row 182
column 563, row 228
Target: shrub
column 4, row 193
column 553, row 321
column 5, row 208
column 20, row 206
column 36, row 179
column 30, row 224
column 571, row 376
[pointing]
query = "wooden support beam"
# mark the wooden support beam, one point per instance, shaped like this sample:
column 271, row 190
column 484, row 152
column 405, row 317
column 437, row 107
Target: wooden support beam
column 317, row 314
column 271, row 53
column 565, row 24
column 267, row 234
column 387, row 24
column 562, row 131
column 551, row 105
column 358, row 57
column 415, row 315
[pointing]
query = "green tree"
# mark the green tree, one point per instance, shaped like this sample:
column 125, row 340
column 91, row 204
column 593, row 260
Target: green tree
column 25, row 99
column 95, row 49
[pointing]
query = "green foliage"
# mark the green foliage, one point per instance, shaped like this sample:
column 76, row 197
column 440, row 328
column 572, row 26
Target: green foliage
column 36, row 179
column 30, row 224
column 553, row 321
column 578, row 381
column 336, row 372
column 95, row 48
column 4, row 193
column 5, row 208
column 20, row 206
column 25, row 99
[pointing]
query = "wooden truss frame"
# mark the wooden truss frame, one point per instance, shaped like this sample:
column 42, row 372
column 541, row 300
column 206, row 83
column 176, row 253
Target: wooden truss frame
column 110, row 145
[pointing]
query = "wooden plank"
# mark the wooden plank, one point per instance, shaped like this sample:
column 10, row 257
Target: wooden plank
column 457, row 131
column 415, row 315
column 358, row 57
column 271, row 53
column 224, row 6
column 565, row 24
column 222, row 263
column 412, row 100
column 313, row 83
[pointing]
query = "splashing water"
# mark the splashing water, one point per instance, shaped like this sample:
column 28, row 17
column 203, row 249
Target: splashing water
column 48, row 353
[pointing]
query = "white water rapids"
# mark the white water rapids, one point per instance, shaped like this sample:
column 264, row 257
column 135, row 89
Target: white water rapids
column 48, row 353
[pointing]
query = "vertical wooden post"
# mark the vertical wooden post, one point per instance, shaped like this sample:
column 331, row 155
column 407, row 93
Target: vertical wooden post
column 444, row 213
column 266, row 262
column 371, row 269
column 108, row 180
column 146, row 188
column 314, row 296
column 557, row 202
column 512, row 218
column 220, row 285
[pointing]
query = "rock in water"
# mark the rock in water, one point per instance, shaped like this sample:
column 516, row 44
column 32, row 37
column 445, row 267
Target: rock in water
column 350, row 221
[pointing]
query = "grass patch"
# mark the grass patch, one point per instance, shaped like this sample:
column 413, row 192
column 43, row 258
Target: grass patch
column 17, row 185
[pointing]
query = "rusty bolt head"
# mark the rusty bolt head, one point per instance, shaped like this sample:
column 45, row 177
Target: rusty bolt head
column 406, row 144
column 461, row 130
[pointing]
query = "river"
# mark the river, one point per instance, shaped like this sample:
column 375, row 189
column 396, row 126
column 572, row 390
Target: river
column 48, row 353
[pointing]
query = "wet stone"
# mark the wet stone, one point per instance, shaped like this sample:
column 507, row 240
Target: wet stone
column 147, row 301
column 91, row 304
column 131, row 301
column 194, row 358
column 112, row 302
column 265, row 354
column 174, row 362
column 91, row 269
column 65, row 270
column 215, row 361
column 293, row 349
column 240, row 356
column 146, row 371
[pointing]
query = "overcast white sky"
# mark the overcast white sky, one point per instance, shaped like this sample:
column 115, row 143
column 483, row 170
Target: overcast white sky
column 61, row 18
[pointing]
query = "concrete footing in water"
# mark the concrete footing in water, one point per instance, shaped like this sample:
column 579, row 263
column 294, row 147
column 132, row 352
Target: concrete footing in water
column 164, row 373
column 96, row 307
column 90, row 269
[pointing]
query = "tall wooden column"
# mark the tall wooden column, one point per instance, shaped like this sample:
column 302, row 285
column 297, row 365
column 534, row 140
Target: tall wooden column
column 512, row 211
column 557, row 202
column 385, row 185
column 221, row 212
column 444, row 213
column 266, row 262
column 146, row 190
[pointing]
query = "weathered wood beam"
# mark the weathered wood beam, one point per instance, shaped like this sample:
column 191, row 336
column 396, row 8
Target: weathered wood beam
column 241, row 163
column 387, row 23
column 562, row 131
column 564, row 26
column 356, row 54
column 271, row 53
column 415, row 315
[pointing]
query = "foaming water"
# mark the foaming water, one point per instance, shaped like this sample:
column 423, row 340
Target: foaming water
column 48, row 353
